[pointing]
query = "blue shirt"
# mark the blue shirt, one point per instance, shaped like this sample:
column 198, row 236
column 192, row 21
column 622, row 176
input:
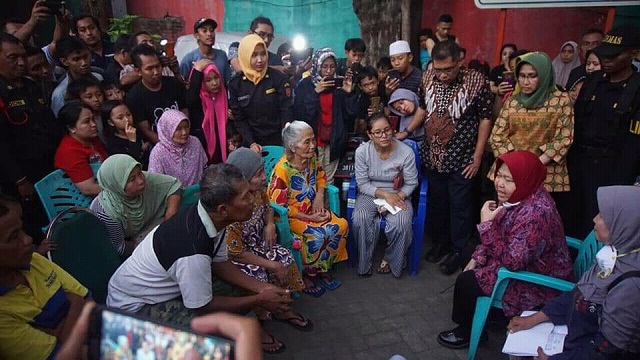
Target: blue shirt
column 219, row 58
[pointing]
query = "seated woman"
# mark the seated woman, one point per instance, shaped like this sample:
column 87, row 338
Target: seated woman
column 522, row 231
column 252, row 244
column 208, row 109
column 122, row 135
column 298, row 183
column 133, row 201
column 385, row 169
column 177, row 153
column 40, row 302
column 602, row 312
column 80, row 147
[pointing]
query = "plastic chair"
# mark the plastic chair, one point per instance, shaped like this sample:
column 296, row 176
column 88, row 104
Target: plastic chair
column 190, row 196
column 587, row 250
column 84, row 249
column 57, row 192
column 270, row 156
column 414, row 253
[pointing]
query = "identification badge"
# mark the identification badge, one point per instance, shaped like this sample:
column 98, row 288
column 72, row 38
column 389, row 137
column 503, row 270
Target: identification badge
column 634, row 127
column 271, row 91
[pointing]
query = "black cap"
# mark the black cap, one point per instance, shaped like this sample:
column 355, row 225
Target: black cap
column 204, row 21
column 617, row 40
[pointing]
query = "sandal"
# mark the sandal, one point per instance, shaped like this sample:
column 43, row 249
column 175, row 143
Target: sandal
column 268, row 346
column 308, row 324
column 313, row 289
column 384, row 268
column 329, row 283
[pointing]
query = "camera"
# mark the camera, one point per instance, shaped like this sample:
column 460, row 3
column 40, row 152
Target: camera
column 56, row 7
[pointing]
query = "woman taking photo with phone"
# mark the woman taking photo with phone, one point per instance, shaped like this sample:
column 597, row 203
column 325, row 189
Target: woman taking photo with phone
column 321, row 102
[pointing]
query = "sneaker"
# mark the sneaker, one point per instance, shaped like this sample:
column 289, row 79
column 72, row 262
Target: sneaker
column 451, row 263
column 436, row 253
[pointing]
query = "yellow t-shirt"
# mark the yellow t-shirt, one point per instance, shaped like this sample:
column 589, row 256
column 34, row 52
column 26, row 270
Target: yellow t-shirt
column 43, row 304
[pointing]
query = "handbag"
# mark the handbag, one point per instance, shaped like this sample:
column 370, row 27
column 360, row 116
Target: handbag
column 398, row 181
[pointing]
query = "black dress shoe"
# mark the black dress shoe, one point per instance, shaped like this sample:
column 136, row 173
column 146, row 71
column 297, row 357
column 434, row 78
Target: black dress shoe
column 454, row 339
column 451, row 263
column 435, row 254
column 458, row 338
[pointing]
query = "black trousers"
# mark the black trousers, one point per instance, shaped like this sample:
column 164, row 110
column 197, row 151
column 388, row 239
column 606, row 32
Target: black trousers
column 451, row 210
column 465, row 295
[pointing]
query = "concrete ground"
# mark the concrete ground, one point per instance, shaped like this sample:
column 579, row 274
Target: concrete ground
column 377, row 317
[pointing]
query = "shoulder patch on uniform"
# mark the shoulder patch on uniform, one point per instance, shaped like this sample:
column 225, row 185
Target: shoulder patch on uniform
column 271, row 91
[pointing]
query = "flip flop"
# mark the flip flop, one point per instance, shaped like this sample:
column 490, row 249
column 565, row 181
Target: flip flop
column 307, row 327
column 384, row 268
column 315, row 291
column 329, row 284
column 269, row 349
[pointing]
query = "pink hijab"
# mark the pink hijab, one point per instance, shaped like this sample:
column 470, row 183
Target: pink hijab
column 184, row 162
column 215, row 114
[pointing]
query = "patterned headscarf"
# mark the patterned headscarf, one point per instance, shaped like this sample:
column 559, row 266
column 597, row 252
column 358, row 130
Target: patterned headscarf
column 319, row 56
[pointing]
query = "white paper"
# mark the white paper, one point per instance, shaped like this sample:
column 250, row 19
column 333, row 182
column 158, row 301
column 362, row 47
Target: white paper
column 382, row 202
column 526, row 342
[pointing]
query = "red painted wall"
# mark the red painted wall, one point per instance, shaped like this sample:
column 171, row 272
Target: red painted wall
column 532, row 29
column 189, row 10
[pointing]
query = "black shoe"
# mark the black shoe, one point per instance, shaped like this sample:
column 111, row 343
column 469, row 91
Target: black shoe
column 458, row 338
column 435, row 254
column 451, row 263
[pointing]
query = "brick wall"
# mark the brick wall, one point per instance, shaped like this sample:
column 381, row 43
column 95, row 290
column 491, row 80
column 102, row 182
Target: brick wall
column 168, row 27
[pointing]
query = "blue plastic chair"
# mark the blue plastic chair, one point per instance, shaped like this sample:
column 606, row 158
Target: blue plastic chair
column 57, row 192
column 270, row 156
column 414, row 253
column 587, row 250
column 84, row 249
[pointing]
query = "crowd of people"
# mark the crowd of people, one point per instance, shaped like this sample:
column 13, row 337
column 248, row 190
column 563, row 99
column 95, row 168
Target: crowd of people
column 552, row 135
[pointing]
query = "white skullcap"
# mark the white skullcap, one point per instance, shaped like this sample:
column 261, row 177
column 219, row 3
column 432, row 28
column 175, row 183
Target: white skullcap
column 399, row 47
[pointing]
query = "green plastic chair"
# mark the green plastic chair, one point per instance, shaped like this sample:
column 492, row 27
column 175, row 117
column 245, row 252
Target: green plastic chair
column 84, row 249
column 587, row 250
column 190, row 196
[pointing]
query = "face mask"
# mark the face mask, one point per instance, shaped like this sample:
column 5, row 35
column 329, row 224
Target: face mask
column 606, row 259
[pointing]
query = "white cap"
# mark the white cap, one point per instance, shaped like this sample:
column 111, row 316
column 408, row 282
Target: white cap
column 399, row 47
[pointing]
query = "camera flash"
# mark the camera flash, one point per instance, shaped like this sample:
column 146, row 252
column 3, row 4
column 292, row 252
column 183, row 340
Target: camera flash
column 299, row 42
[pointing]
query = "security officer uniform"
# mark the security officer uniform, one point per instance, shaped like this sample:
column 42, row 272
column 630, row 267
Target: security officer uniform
column 260, row 111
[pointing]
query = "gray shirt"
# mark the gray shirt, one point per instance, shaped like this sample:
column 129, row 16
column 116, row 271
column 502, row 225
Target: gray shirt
column 373, row 173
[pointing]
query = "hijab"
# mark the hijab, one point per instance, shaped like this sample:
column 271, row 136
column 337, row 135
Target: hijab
column 185, row 162
column 133, row 213
column 563, row 70
column 319, row 56
column 546, row 82
column 247, row 46
column 214, row 124
column 527, row 170
column 620, row 210
column 405, row 120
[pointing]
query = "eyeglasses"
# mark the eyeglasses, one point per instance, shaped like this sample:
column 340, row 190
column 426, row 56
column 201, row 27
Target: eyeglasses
column 448, row 70
column 529, row 77
column 378, row 133
column 264, row 35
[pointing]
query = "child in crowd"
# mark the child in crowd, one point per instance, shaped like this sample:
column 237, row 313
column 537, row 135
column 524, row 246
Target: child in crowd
column 88, row 91
column 177, row 153
column 206, row 99
column 234, row 139
column 80, row 147
column 383, row 66
column 426, row 44
column 403, row 75
column 122, row 135
column 40, row 71
column 112, row 91
column 405, row 104
column 370, row 97
column 354, row 50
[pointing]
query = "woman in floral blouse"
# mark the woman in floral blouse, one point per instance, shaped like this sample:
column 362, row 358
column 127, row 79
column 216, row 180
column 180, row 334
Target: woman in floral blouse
column 298, row 183
column 521, row 231
column 538, row 118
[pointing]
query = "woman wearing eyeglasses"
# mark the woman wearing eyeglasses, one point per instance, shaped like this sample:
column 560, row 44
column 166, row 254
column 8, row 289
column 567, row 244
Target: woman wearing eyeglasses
column 385, row 169
column 538, row 118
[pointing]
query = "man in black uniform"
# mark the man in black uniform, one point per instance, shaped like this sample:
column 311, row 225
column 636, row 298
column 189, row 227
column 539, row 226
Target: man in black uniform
column 29, row 133
column 606, row 148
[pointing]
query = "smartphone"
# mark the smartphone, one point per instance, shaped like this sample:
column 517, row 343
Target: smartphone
column 298, row 56
column 56, row 7
column 113, row 331
column 356, row 67
column 393, row 74
column 375, row 103
column 394, row 120
column 507, row 76
column 338, row 82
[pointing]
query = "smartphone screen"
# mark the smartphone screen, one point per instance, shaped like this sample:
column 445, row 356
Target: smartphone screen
column 123, row 335
column 339, row 82
column 375, row 102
